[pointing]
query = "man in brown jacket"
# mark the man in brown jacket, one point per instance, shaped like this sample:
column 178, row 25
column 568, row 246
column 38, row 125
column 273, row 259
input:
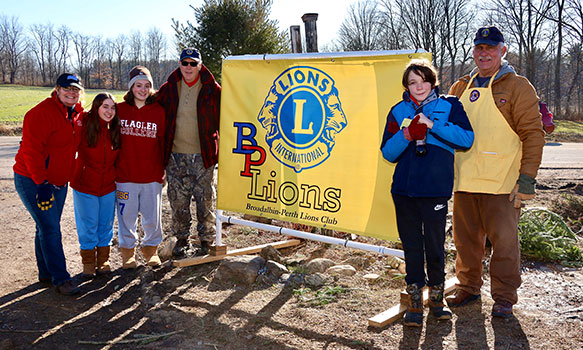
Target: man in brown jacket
column 496, row 174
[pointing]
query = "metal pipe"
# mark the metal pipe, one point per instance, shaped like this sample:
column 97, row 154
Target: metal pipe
column 300, row 234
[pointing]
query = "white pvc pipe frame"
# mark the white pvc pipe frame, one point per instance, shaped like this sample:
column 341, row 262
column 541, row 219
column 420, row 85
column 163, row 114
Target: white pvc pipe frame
column 301, row 234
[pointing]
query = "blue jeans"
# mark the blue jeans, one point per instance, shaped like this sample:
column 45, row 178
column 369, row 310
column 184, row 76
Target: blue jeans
column 421, row 224
column 94, row 218
column 50, row 257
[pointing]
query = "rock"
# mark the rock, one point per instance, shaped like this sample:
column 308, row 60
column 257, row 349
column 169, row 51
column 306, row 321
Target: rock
column 394, row 262
column 276, row 269
column 319, row 265
column 243, row 269
column 371, row 277
column 270, row 253
column 295, row 279
column 315, row 280
column 359, row 262
column 402, row 268
column 165, row 249
column 341, row 270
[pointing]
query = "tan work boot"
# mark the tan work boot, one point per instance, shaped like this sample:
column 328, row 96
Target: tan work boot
column 151, row 255
column 103, row 260
column 127, row 258
column 88, row 260
column 436, row 303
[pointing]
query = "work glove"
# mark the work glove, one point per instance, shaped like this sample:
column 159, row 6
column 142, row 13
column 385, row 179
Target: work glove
column 44, row 196
column 416, row 130
column 523, row 190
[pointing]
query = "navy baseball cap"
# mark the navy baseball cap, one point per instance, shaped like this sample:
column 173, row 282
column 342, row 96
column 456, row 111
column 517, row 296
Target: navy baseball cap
column 191, row 53
column 69, row 79
column 489, row 36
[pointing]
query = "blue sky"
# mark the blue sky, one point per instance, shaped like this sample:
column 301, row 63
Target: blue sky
column 111, row 18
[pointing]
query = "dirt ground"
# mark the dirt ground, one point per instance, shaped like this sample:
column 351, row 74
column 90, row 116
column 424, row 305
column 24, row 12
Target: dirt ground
column 184, row 308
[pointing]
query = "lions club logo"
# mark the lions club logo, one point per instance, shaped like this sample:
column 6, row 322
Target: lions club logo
column 301, row 115
column 474, row 95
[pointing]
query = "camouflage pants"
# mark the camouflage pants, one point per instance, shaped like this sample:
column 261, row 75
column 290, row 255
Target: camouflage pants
column 188, row 179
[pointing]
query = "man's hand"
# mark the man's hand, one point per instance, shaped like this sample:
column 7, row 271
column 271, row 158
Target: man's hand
column 44, row 196
column 524, row 190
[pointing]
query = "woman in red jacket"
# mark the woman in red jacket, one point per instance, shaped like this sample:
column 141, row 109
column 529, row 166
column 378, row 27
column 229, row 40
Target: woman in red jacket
column 43, row 168
column 139, row 169
column 93, row 183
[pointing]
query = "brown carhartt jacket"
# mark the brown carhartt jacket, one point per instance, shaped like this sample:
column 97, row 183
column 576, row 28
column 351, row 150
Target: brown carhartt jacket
column 516, row 98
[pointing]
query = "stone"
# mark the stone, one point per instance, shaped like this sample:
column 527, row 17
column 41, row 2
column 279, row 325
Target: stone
column 276, row 269
column 315, row 280
column 341, row 270
column 394, row 261
column 371, row 277
column 319, row 265
column 239, row 269
column 359, row 262
column 270, row 253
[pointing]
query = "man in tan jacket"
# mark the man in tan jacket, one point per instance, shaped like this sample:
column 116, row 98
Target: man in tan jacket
column 496, row 174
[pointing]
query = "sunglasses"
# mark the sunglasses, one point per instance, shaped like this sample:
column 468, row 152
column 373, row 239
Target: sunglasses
column 186, row 63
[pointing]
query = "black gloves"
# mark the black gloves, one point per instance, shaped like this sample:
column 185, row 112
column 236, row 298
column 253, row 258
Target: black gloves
column 44, row 196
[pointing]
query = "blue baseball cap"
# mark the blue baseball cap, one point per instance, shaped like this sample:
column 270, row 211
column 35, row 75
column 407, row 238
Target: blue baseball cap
column 69, row 79
column 489, row 36
column 191, row 53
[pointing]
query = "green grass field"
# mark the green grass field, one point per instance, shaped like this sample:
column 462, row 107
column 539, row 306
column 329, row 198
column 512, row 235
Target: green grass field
column 16, row 100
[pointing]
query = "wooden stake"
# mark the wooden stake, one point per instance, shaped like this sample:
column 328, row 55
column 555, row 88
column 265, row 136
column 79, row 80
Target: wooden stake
column 249, row 250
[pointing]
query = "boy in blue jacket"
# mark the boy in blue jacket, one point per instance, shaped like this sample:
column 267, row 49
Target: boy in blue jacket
column 421, row 133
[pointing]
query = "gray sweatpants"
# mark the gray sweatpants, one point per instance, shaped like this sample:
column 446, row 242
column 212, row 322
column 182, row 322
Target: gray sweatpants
column 134, row 198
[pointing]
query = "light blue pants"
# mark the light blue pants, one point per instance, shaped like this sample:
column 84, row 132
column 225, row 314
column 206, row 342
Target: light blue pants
column 132, row 199
column 94, row 218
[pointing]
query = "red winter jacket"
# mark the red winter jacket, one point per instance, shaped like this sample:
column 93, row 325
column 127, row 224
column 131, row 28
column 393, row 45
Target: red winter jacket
column 95, row 166
column 208, row 111
column 47, row 148
column 142, row 139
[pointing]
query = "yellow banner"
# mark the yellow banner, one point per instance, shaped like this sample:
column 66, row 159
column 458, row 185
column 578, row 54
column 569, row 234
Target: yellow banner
column 300, row 138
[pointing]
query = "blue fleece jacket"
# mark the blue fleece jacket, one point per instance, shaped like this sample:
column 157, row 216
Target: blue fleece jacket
column 431, row 175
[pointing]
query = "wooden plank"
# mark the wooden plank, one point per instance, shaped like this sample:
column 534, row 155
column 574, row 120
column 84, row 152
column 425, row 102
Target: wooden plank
column 249, row 250
column 394, row 313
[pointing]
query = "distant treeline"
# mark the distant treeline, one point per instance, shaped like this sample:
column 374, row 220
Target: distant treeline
column 545, row 40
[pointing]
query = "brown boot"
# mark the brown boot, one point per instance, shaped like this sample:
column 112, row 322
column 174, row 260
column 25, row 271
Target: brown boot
column 438, row 308
column 127, row 258
column 414, row 314
column 88, row 260
column 151, row 255
column 103, row 260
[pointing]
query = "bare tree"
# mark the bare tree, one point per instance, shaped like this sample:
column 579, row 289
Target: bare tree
column 136, row 48
column 61, row 52
column 119, row 48
column 456, row 34
column 44, row 45
column 155, row 46
column 97, row 65
column 13, row 44
column 362, row 28
column 526, row 21
column 83, row 47
column 392, row 25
